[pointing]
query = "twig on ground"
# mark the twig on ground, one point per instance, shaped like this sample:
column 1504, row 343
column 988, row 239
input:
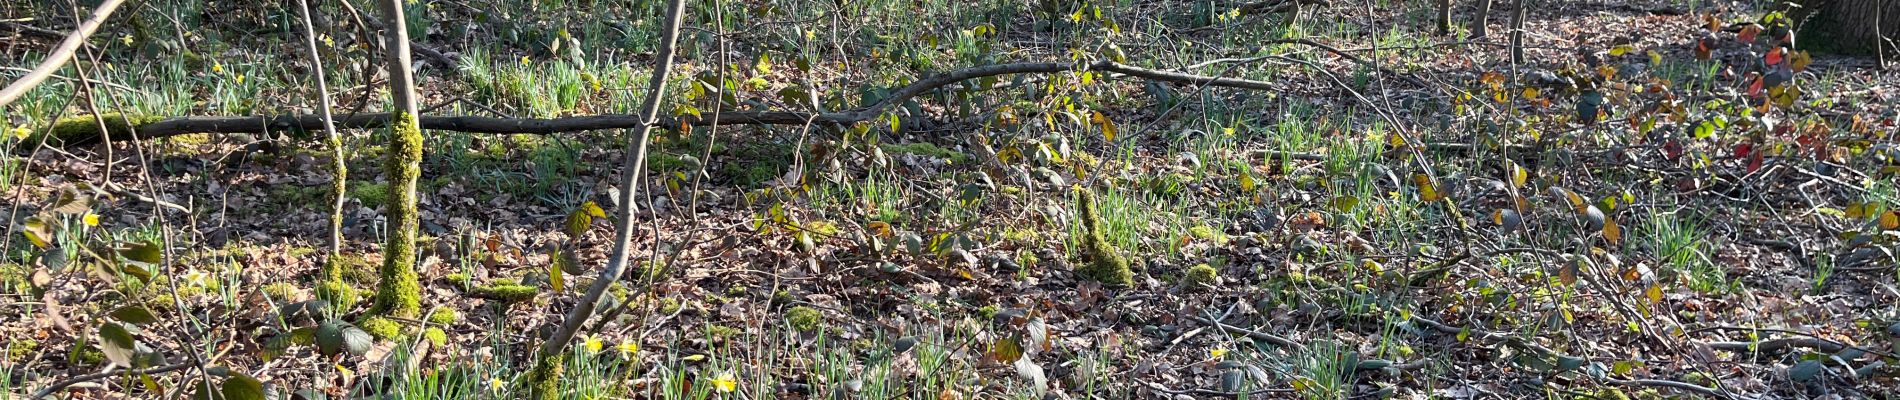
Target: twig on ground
column 1251, row 334
column 57, row 386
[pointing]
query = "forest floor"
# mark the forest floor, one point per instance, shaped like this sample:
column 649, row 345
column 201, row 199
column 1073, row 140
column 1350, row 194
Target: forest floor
column 1656, row 202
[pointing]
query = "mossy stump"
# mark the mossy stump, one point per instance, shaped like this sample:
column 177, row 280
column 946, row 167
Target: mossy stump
column 1102, row 262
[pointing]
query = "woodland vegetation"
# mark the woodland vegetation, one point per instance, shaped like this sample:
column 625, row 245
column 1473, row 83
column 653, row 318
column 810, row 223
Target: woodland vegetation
column 949, row 199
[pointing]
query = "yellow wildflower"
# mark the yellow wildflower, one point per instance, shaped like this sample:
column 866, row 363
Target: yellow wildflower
column 217, row 68
column 20, row 132
column 628, row 348
column 592, row 344
column 1217, row 352
column 92, row 219
column 725, row 382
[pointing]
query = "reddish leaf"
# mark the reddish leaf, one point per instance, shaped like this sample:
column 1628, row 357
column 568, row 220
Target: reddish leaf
column 1754, row 162
column 1748, row 33
column 1672, row 150
column 1742, row 150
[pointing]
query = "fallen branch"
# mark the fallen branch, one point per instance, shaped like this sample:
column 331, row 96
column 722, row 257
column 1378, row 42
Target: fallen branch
column 152, row 128
column 1683, row 386
column 1251, row 334
column 55, row 387
column 1807, row 340
column 58, row 57
column 29, row 30
column 1274, row 7
column 1485, row 336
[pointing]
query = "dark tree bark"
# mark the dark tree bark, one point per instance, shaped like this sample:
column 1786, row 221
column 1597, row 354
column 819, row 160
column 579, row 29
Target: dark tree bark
column 1517, row 32
column 1853, row 27
column 1478, row 21
column 1444, row 17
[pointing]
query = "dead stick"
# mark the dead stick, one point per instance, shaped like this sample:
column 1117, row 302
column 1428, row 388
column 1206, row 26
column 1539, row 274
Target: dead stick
column 60, row 55
column 57, row 386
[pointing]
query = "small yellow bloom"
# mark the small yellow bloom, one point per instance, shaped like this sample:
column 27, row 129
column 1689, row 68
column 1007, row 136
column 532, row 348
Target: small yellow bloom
column 497, row 385
column 725, row 382
column 92, row 219
column 240, row 79
column 327, row 41
column 592, row 344
column 217, row 68
column 525, row 61
column 1217, row 352
column 628, row 348
column 127, row 39
column 20, row 132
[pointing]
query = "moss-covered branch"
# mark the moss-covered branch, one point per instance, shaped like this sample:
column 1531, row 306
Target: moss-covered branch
column 150, row 128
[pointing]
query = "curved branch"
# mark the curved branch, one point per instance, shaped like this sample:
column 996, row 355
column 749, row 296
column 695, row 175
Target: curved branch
column 58, row 57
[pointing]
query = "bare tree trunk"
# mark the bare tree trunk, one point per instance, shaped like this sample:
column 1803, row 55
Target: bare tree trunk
column 1478, row 22
column 331, row 288
column 398, row 293
column 1444, row 17
column 1517, row 32
column 329, row 127
column 544, row 377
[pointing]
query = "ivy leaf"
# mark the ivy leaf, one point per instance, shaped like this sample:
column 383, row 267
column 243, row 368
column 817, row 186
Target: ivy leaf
column 1653, row 293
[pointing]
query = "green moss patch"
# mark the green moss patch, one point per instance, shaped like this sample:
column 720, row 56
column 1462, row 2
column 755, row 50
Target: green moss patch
column 504, row 291
column 1200, row 276
column 804, row 319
